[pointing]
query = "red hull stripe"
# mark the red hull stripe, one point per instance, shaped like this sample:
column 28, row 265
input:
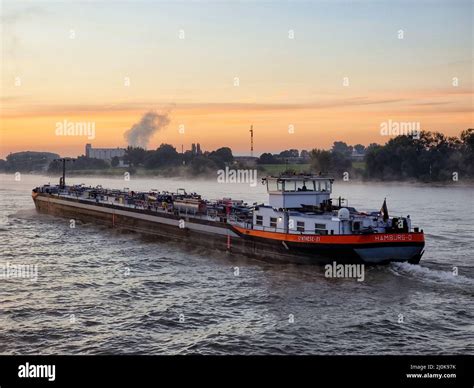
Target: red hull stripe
column 375, row 238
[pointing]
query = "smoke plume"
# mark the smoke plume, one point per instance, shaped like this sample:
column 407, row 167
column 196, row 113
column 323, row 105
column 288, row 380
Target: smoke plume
column 140, row 133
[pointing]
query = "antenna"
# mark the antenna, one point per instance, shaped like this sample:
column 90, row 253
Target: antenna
column 251, row 141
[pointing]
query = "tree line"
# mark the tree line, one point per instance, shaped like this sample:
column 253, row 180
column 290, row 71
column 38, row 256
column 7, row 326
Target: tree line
column 305, row 156
column 27, row 161
column 430, row 156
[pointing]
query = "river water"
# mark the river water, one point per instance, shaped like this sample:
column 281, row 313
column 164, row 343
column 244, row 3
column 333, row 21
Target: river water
column 99, row 291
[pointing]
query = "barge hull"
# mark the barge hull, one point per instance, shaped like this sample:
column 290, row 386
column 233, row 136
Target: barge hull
column 222, row 236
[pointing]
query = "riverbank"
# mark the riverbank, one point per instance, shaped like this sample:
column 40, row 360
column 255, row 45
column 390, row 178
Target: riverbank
column 356, row 173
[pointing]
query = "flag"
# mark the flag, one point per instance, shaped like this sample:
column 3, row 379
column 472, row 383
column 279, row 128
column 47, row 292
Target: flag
column 384, row 210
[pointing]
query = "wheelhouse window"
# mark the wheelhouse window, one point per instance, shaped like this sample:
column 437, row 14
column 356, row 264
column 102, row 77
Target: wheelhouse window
column 320, row 229
column 325, row 186
column 300, row 226
column 259, row 220
column 304, row 185
column 290, row 186
column 273, row 222
column 272, row 185
column 311, row 185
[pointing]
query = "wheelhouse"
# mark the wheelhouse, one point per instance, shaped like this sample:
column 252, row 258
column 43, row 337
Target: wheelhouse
column 296, row 191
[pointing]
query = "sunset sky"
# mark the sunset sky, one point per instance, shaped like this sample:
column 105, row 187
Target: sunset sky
column 70, row 61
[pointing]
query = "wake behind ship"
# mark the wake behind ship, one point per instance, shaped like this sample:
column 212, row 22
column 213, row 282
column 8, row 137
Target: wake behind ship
column 301, row 223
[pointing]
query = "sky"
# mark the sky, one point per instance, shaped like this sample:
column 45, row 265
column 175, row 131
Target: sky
column 303, row 73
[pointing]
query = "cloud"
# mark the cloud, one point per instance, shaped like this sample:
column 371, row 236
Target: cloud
column 444, row 99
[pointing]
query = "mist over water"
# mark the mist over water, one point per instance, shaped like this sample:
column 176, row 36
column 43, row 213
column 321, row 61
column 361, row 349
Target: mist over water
column 102, row 291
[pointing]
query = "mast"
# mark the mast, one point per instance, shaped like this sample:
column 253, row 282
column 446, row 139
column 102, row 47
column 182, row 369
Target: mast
column 62, row 180
column 251, row 141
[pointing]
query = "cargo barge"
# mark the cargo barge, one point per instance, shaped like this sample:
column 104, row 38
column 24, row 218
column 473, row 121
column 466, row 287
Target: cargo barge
column 301, row 223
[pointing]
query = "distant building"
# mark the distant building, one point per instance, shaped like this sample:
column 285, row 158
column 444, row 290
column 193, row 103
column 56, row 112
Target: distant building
column 196, row 149
column 104, row 153
column 357, row 156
